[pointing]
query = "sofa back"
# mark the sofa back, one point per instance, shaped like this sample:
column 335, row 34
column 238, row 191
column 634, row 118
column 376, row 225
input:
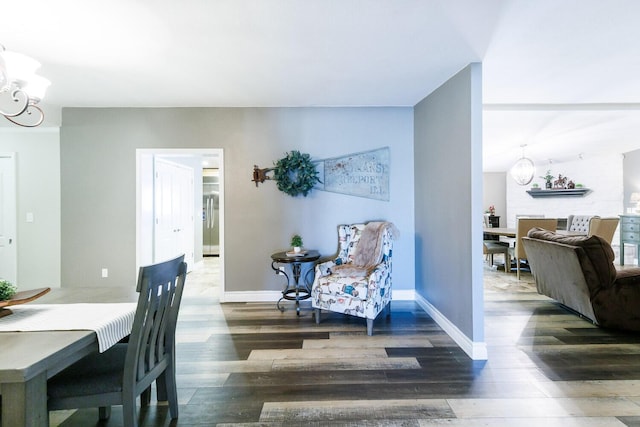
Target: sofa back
column 570, row 269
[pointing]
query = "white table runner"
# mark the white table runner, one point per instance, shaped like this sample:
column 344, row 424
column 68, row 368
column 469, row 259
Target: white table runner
column 111, row 322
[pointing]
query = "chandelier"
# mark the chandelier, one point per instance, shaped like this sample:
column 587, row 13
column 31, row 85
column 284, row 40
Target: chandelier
column 21, row 89
column 523, row 170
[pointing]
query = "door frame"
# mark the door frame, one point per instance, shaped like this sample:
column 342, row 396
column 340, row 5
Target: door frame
column 13, row 246
column 142, row 153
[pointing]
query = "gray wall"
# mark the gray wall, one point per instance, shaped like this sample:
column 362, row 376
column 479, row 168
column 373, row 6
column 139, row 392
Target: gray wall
column 494, row 192
column 38, row 192
column 98, row 184
column 448, row 199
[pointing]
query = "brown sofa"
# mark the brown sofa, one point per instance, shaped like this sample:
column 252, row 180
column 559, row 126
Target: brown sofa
column 578, row 272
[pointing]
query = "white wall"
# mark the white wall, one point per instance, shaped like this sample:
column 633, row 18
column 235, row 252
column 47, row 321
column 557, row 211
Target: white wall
column 38, row 185
column 602, row 174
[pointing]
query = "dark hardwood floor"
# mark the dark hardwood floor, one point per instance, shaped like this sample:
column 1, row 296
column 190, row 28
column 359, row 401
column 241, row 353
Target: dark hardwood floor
column 249, row 364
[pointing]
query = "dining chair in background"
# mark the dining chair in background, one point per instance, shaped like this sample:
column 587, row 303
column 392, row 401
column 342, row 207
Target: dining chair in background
column 603, row 227
column 579, row 223
column 492, row 247
column 127, row 370
column 523, row 225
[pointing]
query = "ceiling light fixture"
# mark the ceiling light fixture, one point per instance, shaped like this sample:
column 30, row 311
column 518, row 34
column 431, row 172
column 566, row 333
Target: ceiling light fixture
column 21, row 89
column 523, row 170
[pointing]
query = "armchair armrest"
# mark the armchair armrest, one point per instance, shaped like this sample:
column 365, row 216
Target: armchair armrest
column 324, row 265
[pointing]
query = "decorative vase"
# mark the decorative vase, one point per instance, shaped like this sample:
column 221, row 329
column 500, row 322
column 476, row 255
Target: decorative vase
column 548, row 185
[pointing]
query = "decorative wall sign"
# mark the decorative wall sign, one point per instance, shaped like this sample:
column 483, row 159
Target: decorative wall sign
column 364, row 174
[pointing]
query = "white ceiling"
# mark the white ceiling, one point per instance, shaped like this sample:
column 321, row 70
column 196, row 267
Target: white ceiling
column 561, row 76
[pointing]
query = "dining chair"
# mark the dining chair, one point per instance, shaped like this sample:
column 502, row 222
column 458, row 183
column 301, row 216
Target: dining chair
column 125, row 371
column 603, row 227
column 523, row 225
column 579, row 223
column 491, row 248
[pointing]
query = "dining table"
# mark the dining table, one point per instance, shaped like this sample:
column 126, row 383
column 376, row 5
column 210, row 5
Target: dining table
column 43, row 337
column 511, row 232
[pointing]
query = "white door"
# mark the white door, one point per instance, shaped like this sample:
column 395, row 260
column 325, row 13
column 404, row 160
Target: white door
column 174, row 221
column 8, row 224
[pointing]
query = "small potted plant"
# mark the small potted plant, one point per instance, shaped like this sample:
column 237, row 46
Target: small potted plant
column 548, row 177
column 7, row 290
column 296, row 243
column 535, row 186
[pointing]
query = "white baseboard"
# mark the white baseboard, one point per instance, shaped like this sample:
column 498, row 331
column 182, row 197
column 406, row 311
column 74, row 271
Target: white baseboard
column 403, row 295
column 475, row 350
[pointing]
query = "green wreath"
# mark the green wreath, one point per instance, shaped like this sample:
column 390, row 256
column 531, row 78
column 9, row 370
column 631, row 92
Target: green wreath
column 295, row 174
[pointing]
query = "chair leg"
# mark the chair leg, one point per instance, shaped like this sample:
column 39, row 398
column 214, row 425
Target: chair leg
column 145, row 397
column 518, row 268
column 370, row 327
column 317, row 313
column 389, row 309
column 104, row 412
column 129, row 415
column 170, row 390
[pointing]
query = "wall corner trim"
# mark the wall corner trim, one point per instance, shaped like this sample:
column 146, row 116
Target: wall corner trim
column 475, row 350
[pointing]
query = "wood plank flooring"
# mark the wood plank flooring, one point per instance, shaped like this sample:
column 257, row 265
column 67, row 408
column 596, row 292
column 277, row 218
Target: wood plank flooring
column 251, row 365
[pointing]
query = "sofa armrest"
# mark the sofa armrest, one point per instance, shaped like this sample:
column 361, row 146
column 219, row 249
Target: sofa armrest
column 628, row 276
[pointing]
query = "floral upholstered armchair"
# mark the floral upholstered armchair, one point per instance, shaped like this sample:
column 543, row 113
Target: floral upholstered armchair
column 358, row 281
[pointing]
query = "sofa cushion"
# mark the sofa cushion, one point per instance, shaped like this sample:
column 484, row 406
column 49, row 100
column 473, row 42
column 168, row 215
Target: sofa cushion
column 596, row 257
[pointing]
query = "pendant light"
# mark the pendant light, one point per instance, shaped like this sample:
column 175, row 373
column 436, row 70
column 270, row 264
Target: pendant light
column 523, row 170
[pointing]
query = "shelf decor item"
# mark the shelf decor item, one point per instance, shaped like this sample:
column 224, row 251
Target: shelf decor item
column 547, row 178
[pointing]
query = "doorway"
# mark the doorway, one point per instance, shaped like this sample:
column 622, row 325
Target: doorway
column 148, row 162
column 210, row 212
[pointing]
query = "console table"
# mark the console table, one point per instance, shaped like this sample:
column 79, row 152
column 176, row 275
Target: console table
column 296, row 268
column 629, row 234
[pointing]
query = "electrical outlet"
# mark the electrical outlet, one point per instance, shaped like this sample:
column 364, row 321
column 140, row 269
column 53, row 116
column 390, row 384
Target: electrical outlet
column 105, row 272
